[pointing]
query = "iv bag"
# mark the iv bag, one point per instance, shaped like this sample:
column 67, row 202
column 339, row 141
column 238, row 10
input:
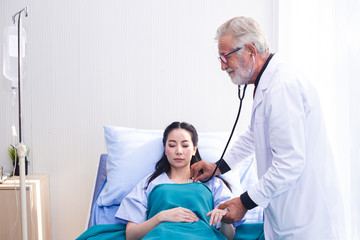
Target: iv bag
column 10, row 54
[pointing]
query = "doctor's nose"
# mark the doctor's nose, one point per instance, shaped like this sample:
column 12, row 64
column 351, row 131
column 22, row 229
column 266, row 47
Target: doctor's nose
column 224, row 66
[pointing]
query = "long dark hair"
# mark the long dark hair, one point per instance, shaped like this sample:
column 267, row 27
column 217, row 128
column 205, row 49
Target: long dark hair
column 163, row 164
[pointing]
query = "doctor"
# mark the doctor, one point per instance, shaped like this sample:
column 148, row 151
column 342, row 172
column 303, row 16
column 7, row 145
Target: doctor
column 297, row 185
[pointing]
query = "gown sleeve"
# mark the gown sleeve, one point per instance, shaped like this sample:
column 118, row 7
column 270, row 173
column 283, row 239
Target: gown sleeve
column 136, row 201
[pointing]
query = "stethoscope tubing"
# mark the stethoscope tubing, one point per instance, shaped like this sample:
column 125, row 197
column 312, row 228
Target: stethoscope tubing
column 241, row 97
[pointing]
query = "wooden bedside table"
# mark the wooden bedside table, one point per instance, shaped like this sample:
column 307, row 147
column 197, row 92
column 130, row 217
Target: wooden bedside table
column 38, row 208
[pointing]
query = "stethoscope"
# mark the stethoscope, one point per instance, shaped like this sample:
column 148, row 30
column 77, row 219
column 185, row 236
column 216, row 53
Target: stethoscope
column 241, row 97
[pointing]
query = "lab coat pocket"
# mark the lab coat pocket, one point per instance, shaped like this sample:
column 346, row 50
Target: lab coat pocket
column 261, row 136
column 291, row 205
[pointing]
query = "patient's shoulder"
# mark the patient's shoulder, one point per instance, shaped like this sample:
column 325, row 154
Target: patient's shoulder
column 215, row 183
column 162, row 178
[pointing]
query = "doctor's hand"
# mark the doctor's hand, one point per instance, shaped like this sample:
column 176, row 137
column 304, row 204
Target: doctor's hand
column 202, row 170
column 235, row 210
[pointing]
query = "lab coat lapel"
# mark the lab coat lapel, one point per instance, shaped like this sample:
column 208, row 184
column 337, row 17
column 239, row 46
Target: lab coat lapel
column 259, row 96
column 264, row 82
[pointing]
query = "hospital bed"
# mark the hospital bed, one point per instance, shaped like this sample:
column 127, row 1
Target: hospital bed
column 102, row 213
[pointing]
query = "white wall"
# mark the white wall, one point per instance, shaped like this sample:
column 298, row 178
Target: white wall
column 140, row 64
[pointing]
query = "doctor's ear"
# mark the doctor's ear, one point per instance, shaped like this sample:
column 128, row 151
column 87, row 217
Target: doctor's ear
column 251, row 49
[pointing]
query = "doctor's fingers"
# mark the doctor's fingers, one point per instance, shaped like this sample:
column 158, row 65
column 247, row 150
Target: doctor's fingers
column 229, row 216
column 224, row 205
column 232, row 217
column 234, row 210
column 233, row 204
column 201, row 170
column 196, row 170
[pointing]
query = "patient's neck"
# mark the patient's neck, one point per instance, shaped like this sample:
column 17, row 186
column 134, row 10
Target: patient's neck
column 179, row 175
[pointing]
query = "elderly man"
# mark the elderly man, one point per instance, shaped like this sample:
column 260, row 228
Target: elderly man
column 297, row 186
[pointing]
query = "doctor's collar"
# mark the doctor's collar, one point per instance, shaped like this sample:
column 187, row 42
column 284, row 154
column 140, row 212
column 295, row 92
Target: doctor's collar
column 262, row 70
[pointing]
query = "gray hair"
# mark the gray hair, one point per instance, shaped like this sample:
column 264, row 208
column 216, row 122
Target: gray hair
column 245, row 30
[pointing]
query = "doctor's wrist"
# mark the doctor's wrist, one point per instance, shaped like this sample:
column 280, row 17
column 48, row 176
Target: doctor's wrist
column 247, row 202
column 223, row 167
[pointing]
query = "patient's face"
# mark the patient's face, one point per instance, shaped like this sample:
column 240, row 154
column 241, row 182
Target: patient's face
column 179, row 148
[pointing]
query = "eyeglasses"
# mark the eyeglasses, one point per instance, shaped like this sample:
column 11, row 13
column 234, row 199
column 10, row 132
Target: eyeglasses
column 222, row 57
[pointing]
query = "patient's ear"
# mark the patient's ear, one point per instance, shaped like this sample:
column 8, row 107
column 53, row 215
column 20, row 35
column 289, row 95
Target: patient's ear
column 195, row 148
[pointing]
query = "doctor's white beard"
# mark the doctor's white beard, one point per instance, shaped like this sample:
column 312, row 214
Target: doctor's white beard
column 241, row 75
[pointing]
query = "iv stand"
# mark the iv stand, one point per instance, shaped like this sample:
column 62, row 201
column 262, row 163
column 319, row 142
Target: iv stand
column 21, row 148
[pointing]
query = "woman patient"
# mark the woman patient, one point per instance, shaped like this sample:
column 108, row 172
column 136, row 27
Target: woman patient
column 167, row 205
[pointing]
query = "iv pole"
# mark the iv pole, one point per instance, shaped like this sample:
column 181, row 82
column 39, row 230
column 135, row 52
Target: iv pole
column 21, row 148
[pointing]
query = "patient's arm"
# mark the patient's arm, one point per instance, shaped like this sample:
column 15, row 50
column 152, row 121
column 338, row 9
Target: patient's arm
column 136, row 231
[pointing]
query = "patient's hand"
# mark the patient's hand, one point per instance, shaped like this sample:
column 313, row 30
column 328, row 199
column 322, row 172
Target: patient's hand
column 178, row 214
column 216, row 215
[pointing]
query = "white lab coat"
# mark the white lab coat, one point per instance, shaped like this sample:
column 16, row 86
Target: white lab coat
column 296, row 187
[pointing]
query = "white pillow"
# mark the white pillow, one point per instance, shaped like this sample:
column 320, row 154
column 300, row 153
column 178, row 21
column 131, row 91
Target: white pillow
column 133, row 153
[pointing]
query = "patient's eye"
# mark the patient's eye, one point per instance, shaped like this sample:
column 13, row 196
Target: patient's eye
column 171, row 145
